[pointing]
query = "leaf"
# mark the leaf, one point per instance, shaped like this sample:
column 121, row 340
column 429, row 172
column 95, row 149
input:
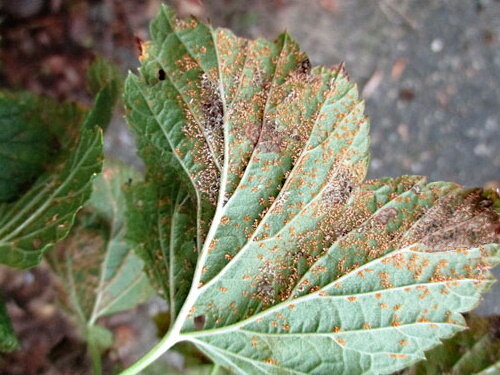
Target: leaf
column 8, row 339
column 160, row 368
column 51, row 153
column 301, row 267
column 100, row 336
column 33, row 129
column 168, row 248
column 473, row 351
column 45, row 213
column 105, row 83
column 100, row 273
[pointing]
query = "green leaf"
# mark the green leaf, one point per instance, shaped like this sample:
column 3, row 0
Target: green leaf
column 8, row 339
column 49, row 165
column 33, row 130
column 100, row 336
column 105, row 83
column 100, row 272
column 473, row 351
column 45, row 213
column 301, row 267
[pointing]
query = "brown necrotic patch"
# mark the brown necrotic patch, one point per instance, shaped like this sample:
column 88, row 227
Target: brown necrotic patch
column 339, row 188
column 278, row 278
column 271, row 139
column 466, row 220
column 252, row 132
column 213, row 113
column 385, row 215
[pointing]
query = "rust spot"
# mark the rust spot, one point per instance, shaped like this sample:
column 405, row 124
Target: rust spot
column 271, row 361
column 397, row 355
column 395, row 321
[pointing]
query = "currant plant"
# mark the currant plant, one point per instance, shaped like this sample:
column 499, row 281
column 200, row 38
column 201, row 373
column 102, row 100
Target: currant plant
column 49, row 154
column 99, row 272
column 256, row 225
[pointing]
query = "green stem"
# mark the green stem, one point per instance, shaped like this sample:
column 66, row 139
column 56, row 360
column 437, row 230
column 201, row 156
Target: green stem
column 169, row 340
column 95, row 356
column 215, row 369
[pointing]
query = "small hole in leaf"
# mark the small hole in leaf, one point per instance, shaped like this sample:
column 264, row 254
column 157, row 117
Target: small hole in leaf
column 161, row 75
column 305, row 66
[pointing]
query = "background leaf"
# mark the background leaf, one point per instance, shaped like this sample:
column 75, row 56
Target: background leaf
column 302, row 267
column 33, row 130
column 473, row 351
column 100, row 273
column 44, row 214
column 51, row 157
column 8, row 339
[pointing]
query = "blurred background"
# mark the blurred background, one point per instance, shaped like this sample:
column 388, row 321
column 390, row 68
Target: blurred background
column 429, row 71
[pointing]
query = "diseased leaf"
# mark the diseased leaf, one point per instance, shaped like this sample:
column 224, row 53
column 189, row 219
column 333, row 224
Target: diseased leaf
column 45, row 213
column 301, row 267
column 100, row 273
column 8, row 339
column 169, row 248
column 473, row 351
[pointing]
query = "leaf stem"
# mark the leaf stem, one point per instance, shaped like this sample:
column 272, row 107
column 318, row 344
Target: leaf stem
column 169, row 340
column 95, row 358
column 215, row 369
